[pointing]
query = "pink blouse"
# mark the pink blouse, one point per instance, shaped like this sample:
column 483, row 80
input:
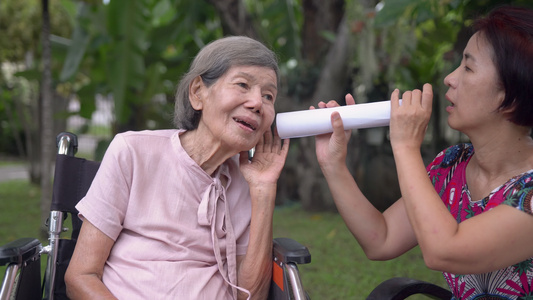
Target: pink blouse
column 177, row 230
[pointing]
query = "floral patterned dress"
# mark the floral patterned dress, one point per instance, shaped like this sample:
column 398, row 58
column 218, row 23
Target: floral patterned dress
column 447, row 173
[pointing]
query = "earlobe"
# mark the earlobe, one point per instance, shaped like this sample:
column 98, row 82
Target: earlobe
column 508, row 110
column 195, row 93
column 509, row 107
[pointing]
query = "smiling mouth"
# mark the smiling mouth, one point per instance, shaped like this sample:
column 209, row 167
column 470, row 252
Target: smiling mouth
column 244, row 123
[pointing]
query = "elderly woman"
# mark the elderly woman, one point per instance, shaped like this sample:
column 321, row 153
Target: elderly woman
column 471, row 209
column 185, row 213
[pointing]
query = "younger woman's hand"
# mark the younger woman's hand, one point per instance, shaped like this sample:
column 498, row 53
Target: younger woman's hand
column 331, row 148
column 409, row 120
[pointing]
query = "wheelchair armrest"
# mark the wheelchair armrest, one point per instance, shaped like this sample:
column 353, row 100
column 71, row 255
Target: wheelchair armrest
column 290, row 251
column 401, row 288
column 19, row 250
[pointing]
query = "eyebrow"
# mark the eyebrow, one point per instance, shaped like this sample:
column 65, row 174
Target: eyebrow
column 251, row 77
column 469, row 56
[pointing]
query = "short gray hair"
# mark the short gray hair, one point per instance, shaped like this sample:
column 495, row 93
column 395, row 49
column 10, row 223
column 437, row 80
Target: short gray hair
column 211, row 63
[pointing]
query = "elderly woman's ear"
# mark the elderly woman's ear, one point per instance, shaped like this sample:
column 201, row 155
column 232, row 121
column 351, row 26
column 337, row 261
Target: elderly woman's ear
column 197, row 93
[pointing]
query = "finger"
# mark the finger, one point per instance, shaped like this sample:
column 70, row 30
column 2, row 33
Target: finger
column 267, row 141
column 406, row 97
column 427, row 96
column 337, row 124
column 416, row 96
column 332, row 103
column 321, row 104
column 285, row 148
column 349, row 99
column 395, row 98
column 277, row 141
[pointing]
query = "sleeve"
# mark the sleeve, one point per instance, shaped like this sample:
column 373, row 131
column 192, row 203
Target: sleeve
column 244, row 214
column 242, row 208
column 520, row 195
column 434, row 169
column 446, row 163
column 106, row 202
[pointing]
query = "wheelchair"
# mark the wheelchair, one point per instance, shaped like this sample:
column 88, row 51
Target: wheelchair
column 72, row 179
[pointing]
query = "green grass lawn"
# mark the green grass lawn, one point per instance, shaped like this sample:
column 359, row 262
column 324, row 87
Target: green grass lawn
column 19, row 210
column 19, row 213
column 338, row 269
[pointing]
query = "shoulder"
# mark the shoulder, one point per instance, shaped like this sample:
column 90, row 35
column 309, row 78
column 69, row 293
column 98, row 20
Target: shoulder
column 128, row 147
column 519, row 192
column 452, row 156
column 146, row 139
column 146, row 135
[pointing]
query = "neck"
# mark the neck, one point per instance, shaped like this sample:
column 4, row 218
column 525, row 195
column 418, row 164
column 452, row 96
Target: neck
column 504, row 153
column 209, row 154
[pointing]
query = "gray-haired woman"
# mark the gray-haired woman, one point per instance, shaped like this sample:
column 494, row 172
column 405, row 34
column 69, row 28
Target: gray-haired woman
column 183, row 213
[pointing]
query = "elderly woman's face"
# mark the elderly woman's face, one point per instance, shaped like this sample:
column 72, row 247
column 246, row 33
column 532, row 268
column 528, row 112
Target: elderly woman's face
column 239, row 107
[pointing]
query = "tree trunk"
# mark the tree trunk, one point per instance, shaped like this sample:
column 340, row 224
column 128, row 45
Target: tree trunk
column 319, row 16
column 314, row 192
column 47, row 122
column 235, row 19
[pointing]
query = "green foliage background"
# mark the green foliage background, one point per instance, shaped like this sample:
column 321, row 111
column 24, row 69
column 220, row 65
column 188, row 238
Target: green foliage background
column 136, row 51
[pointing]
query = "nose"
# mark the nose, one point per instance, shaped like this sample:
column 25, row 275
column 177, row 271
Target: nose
column 450, row 79
column 255, row 101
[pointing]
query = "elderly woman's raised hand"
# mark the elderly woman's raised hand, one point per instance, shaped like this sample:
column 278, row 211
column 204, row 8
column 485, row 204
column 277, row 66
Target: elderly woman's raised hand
column 331, row 148
column 267, row 162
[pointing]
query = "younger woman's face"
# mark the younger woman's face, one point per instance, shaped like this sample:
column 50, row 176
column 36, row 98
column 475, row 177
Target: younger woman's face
column 475, row 90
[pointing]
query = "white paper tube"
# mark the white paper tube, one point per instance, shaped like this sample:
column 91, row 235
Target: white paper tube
column 318, row 121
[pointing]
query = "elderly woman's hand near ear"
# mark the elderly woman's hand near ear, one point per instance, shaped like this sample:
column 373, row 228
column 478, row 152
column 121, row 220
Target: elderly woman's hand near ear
column 262, row 174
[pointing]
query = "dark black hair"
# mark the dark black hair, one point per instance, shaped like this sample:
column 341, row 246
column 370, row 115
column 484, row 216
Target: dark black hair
column 510, row 32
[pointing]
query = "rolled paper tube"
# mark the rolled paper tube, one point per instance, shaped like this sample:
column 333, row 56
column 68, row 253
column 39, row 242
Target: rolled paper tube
column 318, row 121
